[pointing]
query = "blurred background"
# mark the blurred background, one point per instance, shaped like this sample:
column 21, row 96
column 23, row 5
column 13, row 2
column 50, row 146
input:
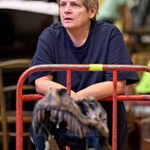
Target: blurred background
column 21, row 22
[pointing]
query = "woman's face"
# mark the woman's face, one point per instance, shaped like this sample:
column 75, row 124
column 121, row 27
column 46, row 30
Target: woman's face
column 73, row 14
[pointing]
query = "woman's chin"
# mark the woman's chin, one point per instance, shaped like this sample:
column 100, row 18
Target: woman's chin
column 68, row 26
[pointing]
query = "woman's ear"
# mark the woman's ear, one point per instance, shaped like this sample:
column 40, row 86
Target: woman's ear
column 93, row 11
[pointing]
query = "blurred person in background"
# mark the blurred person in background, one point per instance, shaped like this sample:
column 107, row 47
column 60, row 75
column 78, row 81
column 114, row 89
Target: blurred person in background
column 141, row 12
column 112, row 11
column 118, row 13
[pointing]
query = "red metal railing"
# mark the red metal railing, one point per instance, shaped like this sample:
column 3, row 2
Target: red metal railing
column 20, row 98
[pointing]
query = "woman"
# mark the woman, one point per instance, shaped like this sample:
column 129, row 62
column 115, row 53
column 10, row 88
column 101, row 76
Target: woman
column 80, row 39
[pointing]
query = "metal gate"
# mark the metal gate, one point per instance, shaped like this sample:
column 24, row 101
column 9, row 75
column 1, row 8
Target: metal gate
column 20, row 97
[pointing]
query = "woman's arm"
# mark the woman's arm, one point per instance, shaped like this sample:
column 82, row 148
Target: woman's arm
column 44, row 84
column 102, row 90
column 98, row 90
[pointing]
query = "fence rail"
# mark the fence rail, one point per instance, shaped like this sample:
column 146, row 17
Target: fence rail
column 20, row 98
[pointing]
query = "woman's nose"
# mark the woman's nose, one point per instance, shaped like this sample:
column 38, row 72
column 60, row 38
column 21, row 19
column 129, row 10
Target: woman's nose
column 67, row 8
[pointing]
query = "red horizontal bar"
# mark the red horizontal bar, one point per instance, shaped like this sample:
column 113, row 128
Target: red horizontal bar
column 31, row 97
column 35, row 97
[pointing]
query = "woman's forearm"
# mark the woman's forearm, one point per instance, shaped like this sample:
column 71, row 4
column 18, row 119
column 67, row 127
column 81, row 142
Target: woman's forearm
column 44, row 84
column 98, row 90
column 101, row 90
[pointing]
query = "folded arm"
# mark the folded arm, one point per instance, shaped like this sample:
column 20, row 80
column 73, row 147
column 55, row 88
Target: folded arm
column 97, row 90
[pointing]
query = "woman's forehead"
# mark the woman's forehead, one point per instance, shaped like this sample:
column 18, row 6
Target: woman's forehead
column 78, row 1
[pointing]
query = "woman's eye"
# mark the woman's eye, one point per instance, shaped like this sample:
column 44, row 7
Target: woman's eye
column 62, row 4
column 72, row 4
column 75, row 4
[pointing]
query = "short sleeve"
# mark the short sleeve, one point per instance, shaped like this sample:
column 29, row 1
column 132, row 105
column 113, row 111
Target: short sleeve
column 44, row 53
column 118, row 54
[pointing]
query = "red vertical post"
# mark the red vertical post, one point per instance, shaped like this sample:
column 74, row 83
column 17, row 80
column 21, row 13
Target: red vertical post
column 19, row 117
column 67, row 148
column 68, row 82
column 114, row 111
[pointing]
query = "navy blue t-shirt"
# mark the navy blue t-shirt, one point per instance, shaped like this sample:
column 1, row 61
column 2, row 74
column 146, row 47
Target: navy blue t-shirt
column 104, row 45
